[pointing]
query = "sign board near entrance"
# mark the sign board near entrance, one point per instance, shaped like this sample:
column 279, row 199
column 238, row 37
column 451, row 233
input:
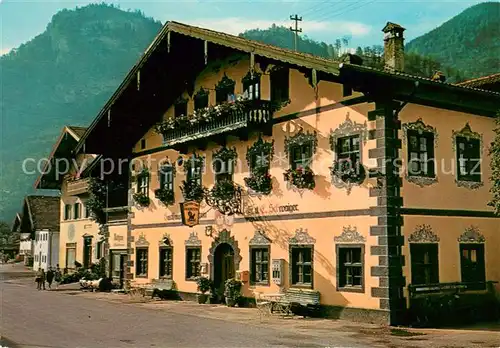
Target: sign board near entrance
column 118, row 237
column 190, row 212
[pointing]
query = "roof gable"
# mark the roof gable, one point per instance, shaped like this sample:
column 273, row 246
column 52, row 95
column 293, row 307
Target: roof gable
column 43, row 212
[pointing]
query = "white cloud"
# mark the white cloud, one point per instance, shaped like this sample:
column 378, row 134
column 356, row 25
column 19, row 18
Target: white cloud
column 236, row 26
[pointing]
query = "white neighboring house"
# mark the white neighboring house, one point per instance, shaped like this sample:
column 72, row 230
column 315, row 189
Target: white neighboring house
column 39, row 225
column 46, row 249
column 25, row 240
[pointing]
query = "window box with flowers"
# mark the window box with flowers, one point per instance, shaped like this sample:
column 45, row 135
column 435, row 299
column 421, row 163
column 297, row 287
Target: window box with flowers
column 300, row 149
column 191, row 188
column 141, row 197
column 259, row 157
column 223, row 165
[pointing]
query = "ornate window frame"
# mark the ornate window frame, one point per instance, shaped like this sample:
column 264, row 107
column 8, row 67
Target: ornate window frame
column 259, row 241
column 301, row 239
column 423, row 234
column 350, row 238
column 466, row 132
column 347, row 128
column 165, row 243
column 349, row 234
column 224, row 82
column 471, row 235
column 202, row 92
column 420, row 127
column 141, row 244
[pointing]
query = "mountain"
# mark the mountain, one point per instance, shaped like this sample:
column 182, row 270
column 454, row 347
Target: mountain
column 469, row 42
column 62, row 76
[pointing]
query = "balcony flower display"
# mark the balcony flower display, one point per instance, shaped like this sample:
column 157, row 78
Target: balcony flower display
column 223, row 190
column 259, row 157
column 201, row 116
column 166, row 196
column 192, row 190
column 301, row 177
column 348, row 171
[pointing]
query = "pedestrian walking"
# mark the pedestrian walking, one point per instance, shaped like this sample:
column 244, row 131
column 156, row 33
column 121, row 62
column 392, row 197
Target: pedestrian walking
column 42, row 280
column 50, row 277
column 38, row 279
column 57, row 276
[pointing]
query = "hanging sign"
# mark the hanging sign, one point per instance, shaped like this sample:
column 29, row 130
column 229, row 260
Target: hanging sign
column 190, row 212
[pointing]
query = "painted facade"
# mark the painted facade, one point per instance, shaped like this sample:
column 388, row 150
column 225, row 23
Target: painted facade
column 363, row 239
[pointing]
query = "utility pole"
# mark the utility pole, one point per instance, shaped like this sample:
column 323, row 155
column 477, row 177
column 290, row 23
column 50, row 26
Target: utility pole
column 296, row 31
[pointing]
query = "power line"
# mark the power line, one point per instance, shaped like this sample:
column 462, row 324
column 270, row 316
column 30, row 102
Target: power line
column 296, row 31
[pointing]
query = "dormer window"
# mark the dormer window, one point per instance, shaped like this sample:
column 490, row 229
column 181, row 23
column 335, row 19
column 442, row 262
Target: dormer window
column 180, row 107
column 201, row 99
column 251, row 86
column 224, row 90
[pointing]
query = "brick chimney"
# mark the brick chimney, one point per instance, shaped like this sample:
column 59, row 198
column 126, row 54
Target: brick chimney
column 394, row 48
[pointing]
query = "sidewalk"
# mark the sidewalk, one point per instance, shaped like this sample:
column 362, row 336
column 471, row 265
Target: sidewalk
column 374, row 335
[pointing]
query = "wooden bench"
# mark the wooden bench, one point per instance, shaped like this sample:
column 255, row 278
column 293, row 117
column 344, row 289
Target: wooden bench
column 162, row 288
column 302, row 301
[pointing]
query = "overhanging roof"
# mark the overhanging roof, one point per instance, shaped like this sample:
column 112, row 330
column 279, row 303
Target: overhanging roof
column 67, row 140
column 235, row 42
column 481, row 81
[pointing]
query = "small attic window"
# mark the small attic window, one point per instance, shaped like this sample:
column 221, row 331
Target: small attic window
column 143, row 144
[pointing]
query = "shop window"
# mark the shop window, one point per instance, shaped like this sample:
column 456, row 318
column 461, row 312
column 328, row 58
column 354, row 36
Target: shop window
column 166, row 262
column 350, row 264
column 280, row 85
column 141, row 269
column 259, row 265
column 472, row 265
column 424, row 263
column 193, row 263
column 421, row 154
column 468, row 159
column 301, row 266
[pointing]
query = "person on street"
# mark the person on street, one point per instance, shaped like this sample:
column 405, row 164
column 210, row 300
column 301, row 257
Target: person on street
column 42, row 280
column 38, row 279
column 57, row 276
column 50, row 277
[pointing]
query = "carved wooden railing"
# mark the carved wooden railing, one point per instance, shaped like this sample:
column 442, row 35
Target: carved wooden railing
column 254, row 112
column 77, row 187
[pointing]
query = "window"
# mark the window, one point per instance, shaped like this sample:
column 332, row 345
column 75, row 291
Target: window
column 76, row 211
column 300, row 155
column 141, row 268
column 194, row 172
column 143, row 184
column 424, row 263
column 348, row 149
column 67, row 212
column 251, row 86
column 472, row 265
column 180, row 108
column 259, row 265
column 70, row 255
column 468, row 159
column 167, row 177
column 166, row 263
column 223, row 169
column 201, row 99
column 193, row 262
column 224, row 91
column 143, row 144
column 350, row 259
column 280, row 85
column 99, row 251
column 421, row 154
column 301, row 264
column 87, row 212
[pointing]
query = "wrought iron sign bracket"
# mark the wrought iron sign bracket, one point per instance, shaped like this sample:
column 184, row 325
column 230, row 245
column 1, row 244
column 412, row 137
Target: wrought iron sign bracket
column 227, row 207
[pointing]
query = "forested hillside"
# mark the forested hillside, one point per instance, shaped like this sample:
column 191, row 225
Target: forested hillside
column 469, row 42
column 62, row 76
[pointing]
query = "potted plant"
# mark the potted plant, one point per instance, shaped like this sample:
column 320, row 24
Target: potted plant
column 204, row 286
column 232, row 291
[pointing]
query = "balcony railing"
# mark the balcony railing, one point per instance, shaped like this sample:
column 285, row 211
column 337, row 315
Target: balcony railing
column 252, row 114
column 77, row 187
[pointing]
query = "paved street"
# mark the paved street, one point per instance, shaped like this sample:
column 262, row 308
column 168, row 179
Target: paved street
column 31, row 318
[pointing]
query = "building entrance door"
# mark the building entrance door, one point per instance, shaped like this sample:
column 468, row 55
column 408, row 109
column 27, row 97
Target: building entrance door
column 87, row 252
column 118, row 264
column 223, row 267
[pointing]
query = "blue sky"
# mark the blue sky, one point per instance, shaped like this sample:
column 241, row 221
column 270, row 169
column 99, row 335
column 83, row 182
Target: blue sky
column 361, row 20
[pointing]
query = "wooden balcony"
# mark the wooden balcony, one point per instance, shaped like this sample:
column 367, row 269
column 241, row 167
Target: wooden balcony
column 77, row 187
column 254, row 115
